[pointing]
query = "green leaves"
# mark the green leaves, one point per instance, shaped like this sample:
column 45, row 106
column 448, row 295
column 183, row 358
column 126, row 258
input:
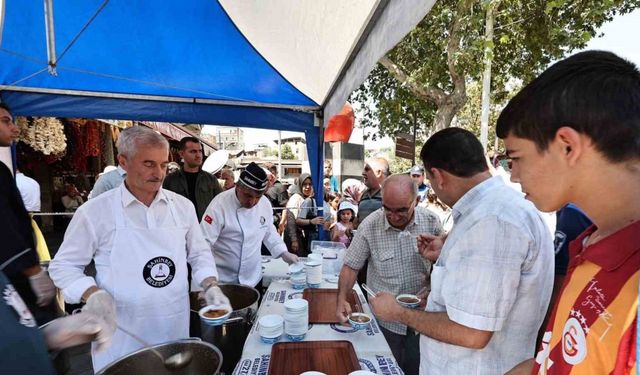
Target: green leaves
column 529, row 35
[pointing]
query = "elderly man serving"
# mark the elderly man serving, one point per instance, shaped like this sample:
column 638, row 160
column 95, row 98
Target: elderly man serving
column 235, row 224
column 141, row 238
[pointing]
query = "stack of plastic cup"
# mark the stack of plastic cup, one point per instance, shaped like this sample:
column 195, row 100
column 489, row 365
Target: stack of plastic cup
column 314, row 273
column 297, row 277
column 270, row 328
column 296, row 319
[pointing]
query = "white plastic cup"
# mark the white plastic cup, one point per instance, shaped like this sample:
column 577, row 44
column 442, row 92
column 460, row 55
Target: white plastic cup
column 296, row 318
column 298, row 280
column 313, row 269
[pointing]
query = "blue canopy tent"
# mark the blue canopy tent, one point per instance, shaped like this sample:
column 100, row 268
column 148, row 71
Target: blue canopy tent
column 274, row 64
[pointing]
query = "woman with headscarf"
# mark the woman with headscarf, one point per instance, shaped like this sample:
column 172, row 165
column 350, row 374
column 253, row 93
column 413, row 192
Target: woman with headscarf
column 302, row 207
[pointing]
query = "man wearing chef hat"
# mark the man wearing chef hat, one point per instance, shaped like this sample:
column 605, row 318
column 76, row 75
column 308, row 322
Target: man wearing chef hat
column 141, row 238
column 236, row 223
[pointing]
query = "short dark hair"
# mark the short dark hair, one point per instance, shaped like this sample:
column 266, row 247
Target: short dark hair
column 456, row 151
column 184, row 140
column 5, row 107
column 596, row 93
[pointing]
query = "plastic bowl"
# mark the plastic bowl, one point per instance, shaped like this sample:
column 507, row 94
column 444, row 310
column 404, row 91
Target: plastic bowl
column 270, row 340
column 296, row 267
column 212, row 321
column 408, row 300
column 359, row 320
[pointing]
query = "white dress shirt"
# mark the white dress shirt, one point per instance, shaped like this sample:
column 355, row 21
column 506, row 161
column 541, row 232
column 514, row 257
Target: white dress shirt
column 30, row 192
column 108, row 181
column 495, row 273
column 235, row 234
column 92, row 228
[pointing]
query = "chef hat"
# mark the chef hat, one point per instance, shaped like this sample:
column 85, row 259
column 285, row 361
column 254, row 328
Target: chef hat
column 254, row 177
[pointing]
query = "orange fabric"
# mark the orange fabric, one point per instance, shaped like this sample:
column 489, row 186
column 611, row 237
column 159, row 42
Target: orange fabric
column 593, row 327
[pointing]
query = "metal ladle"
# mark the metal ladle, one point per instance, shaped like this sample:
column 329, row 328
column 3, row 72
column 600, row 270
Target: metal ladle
column 173, row 362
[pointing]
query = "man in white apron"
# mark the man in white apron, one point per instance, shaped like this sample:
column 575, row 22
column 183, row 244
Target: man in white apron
column 236, row 223
column 141, row 238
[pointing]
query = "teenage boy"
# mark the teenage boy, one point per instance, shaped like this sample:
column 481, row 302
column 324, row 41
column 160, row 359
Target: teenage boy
column 573, row 135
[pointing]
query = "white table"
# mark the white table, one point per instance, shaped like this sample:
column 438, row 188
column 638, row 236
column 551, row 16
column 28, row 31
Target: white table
column 370, row 345
column 273, row 269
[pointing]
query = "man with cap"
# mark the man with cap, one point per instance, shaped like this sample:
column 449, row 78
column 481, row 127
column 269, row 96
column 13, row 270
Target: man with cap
column 417, row 175
column 236, row 223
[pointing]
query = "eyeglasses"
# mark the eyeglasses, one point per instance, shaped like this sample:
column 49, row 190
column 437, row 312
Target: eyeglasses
column 398, row 211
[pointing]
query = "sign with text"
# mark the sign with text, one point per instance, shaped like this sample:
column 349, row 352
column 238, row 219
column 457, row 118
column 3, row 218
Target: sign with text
column 405, row 146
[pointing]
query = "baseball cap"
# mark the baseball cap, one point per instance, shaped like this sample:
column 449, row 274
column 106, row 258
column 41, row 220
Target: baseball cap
column 416, row 169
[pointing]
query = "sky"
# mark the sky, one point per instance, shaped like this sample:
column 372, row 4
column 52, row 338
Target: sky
column 619, row 37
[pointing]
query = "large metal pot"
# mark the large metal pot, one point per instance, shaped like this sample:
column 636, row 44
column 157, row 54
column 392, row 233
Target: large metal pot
column 206, row 360
column 231, row 335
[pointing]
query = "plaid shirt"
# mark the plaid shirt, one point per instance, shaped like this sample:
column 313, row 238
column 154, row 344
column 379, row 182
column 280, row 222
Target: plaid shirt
column 395, row 265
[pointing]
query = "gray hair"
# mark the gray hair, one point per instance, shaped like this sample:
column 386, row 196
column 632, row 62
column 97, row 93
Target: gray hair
column 131, row 138
column 379, row 164
column 403, row 181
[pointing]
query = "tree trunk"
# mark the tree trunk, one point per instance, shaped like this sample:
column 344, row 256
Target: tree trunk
column 486, row 76
column 444, row 115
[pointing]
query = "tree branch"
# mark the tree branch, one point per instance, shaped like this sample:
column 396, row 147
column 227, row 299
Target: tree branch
column 455, row 37
column 430, row 93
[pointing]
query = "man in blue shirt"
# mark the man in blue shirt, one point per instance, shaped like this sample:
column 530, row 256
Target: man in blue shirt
column 417, row 175
column 328, row 173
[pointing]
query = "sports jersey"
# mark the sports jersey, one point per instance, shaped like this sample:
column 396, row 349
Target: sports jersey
column 593, row 327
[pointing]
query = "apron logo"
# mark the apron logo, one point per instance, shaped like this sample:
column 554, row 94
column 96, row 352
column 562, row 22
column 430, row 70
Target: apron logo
column 208, row 219
column 262, row 220
column 159, row 272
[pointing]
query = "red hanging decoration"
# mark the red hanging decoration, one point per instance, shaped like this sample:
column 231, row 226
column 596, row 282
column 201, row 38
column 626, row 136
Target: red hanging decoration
column 340, row 126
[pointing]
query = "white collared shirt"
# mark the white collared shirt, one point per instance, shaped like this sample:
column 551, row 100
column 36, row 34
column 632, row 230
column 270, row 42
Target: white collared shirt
column 30, row 192
column 235, row 234
column 495, row 273
column 91, row 231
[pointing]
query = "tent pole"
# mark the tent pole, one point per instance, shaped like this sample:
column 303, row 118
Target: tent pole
column 320, row 168
column 280, row 153
column 51, row 37
column 1, row 19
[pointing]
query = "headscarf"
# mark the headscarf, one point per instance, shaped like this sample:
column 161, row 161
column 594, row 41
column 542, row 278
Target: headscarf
column 301, row 180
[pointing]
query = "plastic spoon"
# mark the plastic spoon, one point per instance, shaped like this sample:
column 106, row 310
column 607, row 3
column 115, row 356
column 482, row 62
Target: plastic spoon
column 368, row 290
column 174, row 362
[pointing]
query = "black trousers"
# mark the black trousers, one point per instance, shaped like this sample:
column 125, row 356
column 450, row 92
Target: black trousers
column 406, row 349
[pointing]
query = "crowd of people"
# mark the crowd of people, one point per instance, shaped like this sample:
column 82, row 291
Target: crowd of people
column 498, row 293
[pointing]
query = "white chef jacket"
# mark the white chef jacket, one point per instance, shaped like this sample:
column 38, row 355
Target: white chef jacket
column 91, row 231
column 30, row 192
column 235, row 234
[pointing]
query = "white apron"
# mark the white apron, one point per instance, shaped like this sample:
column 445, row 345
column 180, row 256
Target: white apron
column 147, row 277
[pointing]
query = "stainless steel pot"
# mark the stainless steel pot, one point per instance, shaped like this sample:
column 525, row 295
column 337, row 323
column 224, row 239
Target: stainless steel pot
column 206, row 360
column 231, row 335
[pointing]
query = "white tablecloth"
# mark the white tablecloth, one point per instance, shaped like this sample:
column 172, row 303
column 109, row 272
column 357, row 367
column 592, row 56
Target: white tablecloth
column 370, row 345
column 273, row 269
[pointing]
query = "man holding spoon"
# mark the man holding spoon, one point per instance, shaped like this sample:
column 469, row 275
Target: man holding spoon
column 387, row 240
column 492, row 277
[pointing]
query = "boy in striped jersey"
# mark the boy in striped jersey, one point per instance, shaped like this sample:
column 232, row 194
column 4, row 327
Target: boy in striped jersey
column 573, row 135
